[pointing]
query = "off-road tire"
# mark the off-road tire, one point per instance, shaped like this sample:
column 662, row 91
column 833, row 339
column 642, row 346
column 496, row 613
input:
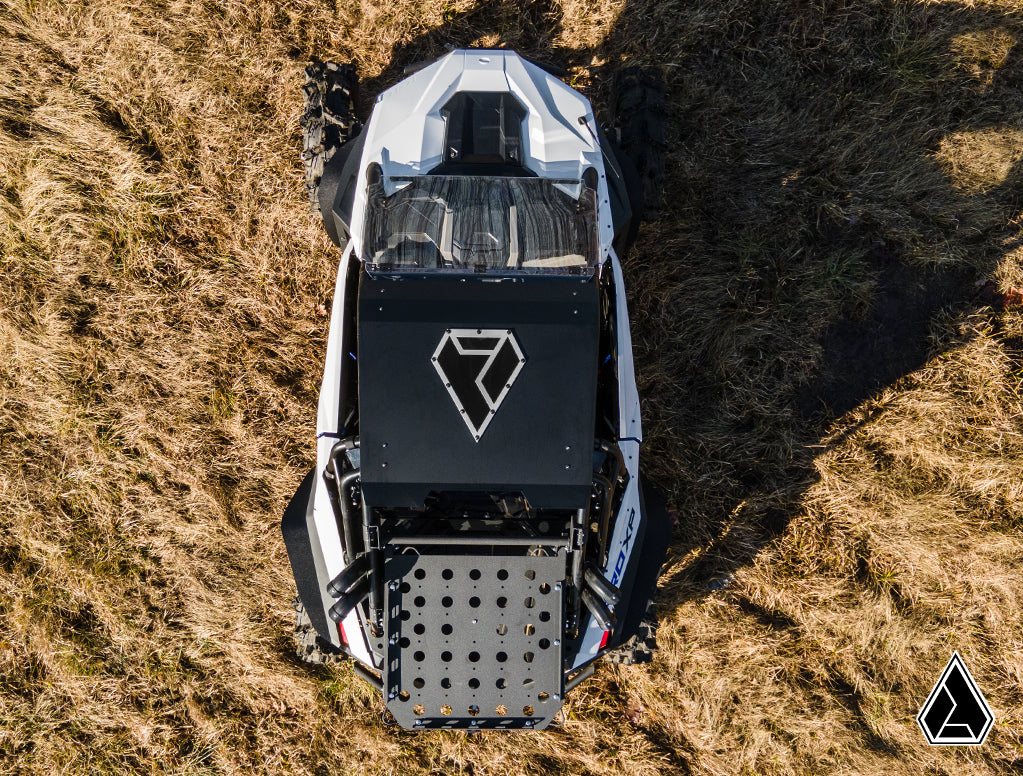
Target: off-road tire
column 639, row 115
column 641, row 647
column 309, row 646
column 329, row 120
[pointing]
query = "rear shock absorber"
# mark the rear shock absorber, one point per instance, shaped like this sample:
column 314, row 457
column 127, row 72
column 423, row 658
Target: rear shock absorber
column 578, row 553
column 371, row 537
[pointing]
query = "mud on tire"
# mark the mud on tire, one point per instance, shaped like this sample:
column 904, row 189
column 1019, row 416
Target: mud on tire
column 329, row 120
column 309, row 646
column 639, row 113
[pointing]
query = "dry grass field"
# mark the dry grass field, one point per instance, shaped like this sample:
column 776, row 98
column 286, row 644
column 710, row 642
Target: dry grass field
column 829, row 335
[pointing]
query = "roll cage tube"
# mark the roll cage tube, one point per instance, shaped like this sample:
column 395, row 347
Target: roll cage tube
column 365, row 536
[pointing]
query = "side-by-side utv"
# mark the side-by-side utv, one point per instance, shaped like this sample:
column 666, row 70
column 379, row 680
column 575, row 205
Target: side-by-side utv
column 476, row 533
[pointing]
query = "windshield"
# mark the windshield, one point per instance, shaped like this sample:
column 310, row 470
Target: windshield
column 440, row 221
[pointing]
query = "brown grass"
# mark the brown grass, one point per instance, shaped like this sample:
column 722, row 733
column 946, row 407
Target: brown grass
column 840, row 175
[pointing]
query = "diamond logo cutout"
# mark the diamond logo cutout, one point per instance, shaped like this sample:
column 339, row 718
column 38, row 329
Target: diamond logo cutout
column 478, row 368
column 955, row 713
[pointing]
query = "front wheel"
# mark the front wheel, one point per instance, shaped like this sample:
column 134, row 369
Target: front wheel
column 329, row 120
column 639, row 111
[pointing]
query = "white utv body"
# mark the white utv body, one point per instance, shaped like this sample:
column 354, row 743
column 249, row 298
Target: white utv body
column 474, row 534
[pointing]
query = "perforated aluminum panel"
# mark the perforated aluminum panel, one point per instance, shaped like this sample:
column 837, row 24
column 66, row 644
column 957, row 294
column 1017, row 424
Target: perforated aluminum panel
column 473, row 641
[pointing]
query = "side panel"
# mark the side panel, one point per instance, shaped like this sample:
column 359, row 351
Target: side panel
column 625, row 190
column 630, row 426
column 651, row 547
column 324, row 535
column 620, row 548
column 337, row 190
column 632, row 522
column 295, row 528
column 327, row 421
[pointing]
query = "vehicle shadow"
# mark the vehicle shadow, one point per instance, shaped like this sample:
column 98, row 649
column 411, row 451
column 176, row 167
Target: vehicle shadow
column 813, row 238
column 822, row 259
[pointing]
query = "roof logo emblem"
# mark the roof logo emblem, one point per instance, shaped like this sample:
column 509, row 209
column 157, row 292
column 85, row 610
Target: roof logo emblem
column 478, row 367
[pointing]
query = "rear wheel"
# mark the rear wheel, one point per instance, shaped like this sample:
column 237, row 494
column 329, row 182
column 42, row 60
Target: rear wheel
column 639, row 114
column 641, row 647
column 329, row 120
column 309, row 646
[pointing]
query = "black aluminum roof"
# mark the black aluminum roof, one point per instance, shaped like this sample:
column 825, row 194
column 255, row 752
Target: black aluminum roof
column 437, row 353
